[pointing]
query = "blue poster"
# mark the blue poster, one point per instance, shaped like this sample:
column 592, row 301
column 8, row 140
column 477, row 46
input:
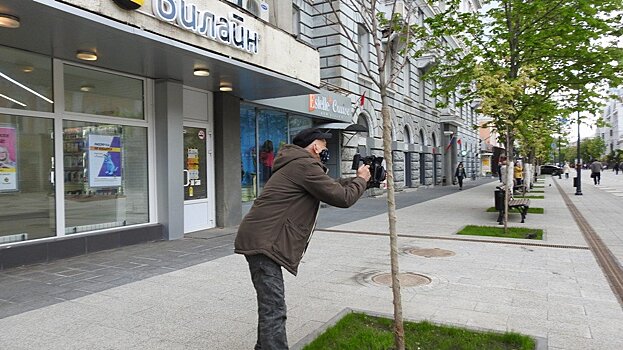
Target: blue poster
column 104, row 161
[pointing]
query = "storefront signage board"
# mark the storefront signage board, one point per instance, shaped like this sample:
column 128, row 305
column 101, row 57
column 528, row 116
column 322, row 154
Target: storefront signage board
column 226, row 30
column 326, row 105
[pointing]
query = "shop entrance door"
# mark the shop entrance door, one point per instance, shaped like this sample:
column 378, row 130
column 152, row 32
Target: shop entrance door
column 197, row 201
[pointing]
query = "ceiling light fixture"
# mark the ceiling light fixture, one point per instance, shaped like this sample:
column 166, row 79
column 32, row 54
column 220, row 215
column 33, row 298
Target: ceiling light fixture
column 87, row 88
column 86, row 55
column 201, row 72
column 226, row 87
column 9, row 21
column 28, row 69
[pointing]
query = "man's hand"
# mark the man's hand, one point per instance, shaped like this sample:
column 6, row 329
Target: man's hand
column 364, row 172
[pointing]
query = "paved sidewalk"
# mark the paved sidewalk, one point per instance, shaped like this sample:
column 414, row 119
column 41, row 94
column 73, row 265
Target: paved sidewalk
column 556, row 293
column 602, row 206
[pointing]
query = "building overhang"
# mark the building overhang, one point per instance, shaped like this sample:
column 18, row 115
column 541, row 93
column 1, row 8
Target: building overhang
column 59, row 30
column 448, row 116
column 343, row 127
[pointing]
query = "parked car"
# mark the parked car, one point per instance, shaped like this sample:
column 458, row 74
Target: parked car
column 551, row 169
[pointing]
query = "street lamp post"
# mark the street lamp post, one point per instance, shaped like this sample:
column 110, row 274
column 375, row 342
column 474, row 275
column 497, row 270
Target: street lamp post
column 578, row 188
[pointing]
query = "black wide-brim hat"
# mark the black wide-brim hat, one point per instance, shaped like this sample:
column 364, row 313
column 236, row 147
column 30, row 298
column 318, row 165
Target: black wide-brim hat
column 307, row 136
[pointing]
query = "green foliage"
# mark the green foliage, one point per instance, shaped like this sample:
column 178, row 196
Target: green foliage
column 531, row 62
column 592, row 148
column 359, row 331
column 615, row 156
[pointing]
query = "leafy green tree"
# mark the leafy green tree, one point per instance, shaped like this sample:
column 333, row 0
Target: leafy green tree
column 525, row 54
column 592, row 148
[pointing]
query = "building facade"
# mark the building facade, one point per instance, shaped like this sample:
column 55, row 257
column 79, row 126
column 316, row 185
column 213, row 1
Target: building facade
column 428, row 142
column 612, row 133
column 120, row 120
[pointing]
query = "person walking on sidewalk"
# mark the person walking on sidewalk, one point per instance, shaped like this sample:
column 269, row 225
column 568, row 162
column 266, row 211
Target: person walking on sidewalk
column 566, row 169
column 277, row 230
column 616, row 168
column 460, row 174
column 596, row 171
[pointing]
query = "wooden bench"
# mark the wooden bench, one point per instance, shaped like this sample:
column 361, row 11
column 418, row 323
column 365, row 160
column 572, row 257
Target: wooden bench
column 522, row 205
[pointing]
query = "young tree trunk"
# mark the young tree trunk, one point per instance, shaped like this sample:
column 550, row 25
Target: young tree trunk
column 509, row 182
column 399, row 332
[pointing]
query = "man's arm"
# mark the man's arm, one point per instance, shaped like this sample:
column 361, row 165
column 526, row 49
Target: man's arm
column 333, row 192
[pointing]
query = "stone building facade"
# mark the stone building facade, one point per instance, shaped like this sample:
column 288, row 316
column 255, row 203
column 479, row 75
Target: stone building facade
column 428, row 142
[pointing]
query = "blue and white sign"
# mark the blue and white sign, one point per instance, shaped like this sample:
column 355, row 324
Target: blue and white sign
column 104, row 160
column 226, row 30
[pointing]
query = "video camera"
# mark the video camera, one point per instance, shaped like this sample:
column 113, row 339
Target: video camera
column 377, row 171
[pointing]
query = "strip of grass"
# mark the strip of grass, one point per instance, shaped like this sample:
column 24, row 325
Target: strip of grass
column 513, row 232
column 359, row 331
column 536, row 191
column 530, row 210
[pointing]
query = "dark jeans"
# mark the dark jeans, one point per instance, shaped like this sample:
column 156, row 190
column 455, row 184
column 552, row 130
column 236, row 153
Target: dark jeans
column 597, row 178
column 268, row 282
column 460, row 179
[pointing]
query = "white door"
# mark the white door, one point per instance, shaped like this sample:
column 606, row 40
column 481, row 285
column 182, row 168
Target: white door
column 198, row 167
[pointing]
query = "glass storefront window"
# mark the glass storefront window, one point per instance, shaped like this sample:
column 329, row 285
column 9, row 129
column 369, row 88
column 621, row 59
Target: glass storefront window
column 248, row 153
column 25, row 80
column 264, row 130
column 195, row 154
column 94, row 92
column 106, row 176
column 272, row 133
column 26, row 175
column 296, row 124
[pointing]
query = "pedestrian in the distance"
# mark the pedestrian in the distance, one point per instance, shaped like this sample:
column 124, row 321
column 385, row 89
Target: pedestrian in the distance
column 566, row 169
column 596, row 171
column 616, row 168
column 276, row 231
column 518, row 174
column 460, row 174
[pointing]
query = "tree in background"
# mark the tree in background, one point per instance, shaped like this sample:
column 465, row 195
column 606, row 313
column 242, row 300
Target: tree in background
column 523, row 55
column 592, row 148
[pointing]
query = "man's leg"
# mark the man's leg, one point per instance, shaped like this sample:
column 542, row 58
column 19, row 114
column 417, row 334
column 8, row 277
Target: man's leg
column 268, row 282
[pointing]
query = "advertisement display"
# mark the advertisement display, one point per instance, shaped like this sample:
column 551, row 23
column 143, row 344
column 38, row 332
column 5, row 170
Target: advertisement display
column 104, row 155
column 8, row 159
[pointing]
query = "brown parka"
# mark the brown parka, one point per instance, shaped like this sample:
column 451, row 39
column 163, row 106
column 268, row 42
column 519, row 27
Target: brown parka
column 281, row 220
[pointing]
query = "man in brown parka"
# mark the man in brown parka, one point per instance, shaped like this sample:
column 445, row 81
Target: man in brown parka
column 276, row 231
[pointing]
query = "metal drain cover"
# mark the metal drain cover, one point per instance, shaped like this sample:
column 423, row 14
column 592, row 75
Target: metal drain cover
column 430, row 252
column 407, row 279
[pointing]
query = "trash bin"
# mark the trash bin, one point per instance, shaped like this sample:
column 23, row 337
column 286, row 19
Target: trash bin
column 575, row 181
column 499, row 200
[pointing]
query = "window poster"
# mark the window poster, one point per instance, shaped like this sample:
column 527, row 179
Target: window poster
column 8, row 159
column 104, row 160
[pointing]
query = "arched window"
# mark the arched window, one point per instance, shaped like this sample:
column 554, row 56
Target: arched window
column 434, row 139
column 361, row 120
column 423, row 138
column 407, row 135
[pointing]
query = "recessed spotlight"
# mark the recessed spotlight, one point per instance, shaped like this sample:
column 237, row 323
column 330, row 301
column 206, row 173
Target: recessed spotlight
column 87, row 88
column 28, row 69
column 86, row 55
column 9, row 21
column 226, row 87
column 201, row 72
